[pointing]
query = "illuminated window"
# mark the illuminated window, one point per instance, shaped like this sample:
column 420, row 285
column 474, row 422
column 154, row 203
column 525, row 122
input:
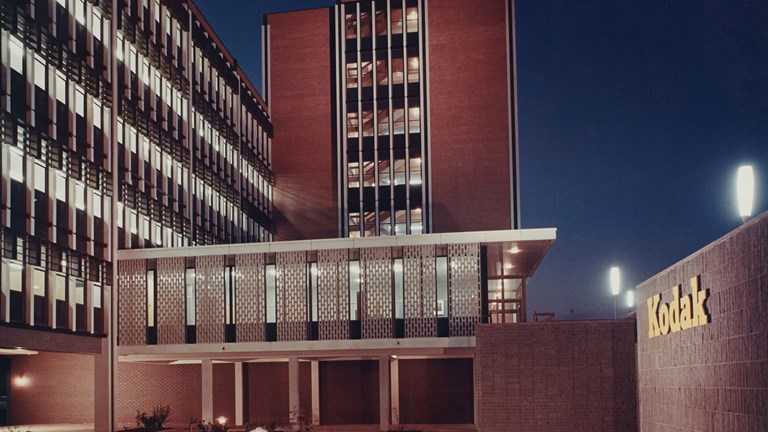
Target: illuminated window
column 150, row 298
column 61, row 87
column 96, row 196
column 415, row 172
column 382, row 122
column 365, row 24
column 412, row 19
column 61, row 186
column 400, row 221
column 414, row 120
column 385, row 223
column 369, row 173
column 416, row 226
column 367, row 123
column 396, row 16
column 79, row 195
column 366, row 73
column 413, row 69
column 351, row 75
column 96, row 29
column 120, row 47
column 381, row 72
column 40, row 184
column 38, row 282
column 97, row 113
column 40, row 73
column 399, row 171
column 120, row 215
column 145, row 227
column 384, row 179
column 80, row 101
column 96, row 296
column 397, row 70
column 354, row 224
column 80, row 11
column 134, row 222
column 398, row 120
column 17, row 165
column 353, row 122
column 190, row 296
column 353, row 174
column 381, row 23
column 17, row 54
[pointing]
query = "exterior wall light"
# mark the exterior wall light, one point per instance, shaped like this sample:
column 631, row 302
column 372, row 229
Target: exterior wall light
column 745, row 191
column 21, row 381
column 222, row 420
column 630, row 299
column 615, row 287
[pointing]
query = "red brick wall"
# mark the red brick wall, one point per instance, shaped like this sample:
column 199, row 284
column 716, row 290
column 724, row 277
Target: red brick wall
column 268, row 391
column 469, row 115
column 305, row 197
column 141, row 386
column 349, row 392
column 715, row 376
column 557, row 376
column 224, row 390
column 436, row 391
column 60, row 389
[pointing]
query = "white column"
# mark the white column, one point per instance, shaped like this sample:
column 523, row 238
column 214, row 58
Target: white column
column 385, row 411
column 207, row 390
column 239, row 402
column 394, row 374
column 315, row 392
column 5, row 292
column 29, row 296
column 102, row 388
column 293, row 388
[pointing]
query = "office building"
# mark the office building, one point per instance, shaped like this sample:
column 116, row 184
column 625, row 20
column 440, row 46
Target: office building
column 372, row 194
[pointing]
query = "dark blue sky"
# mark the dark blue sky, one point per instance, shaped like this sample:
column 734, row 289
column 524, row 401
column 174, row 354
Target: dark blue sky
column 634, row 116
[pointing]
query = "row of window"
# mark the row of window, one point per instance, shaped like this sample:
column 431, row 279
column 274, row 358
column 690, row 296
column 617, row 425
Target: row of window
column 361, row 74
column 386, row 120
column 367, row 23
column 72, row 298
column 271, row 294
column 381, row 67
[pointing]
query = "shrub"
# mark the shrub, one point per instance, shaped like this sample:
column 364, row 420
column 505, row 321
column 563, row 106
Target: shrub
column 156, row 421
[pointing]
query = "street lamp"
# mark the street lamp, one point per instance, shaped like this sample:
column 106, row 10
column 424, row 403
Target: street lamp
column 745, row 191
column 630, row 299
column 615, row 287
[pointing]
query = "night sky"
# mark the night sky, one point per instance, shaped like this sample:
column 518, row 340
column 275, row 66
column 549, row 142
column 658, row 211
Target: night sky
column 633, row 117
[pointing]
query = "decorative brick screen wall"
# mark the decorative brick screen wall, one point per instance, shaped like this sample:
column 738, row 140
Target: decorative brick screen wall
column 556, row 376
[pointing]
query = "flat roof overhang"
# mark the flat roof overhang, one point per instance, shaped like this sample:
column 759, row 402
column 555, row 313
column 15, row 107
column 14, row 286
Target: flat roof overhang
column 519, row 252
column 510, row 254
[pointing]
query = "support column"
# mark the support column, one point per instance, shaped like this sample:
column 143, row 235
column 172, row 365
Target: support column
column 102, row 388
column 394, row 373
column 207, row 390
column 315, row 392
column 385, row 411
column 475, row 387
column 293, row 389
column 239, row 400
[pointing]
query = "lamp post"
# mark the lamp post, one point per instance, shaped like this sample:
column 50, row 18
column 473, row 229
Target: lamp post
column 630, row 299
column 615, row 287
column 745, row 191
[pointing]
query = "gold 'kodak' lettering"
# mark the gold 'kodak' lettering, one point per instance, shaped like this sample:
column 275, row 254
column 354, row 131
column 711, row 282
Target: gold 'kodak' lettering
column 682, row 313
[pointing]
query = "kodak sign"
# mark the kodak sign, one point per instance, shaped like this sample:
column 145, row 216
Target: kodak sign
column 682, row 313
